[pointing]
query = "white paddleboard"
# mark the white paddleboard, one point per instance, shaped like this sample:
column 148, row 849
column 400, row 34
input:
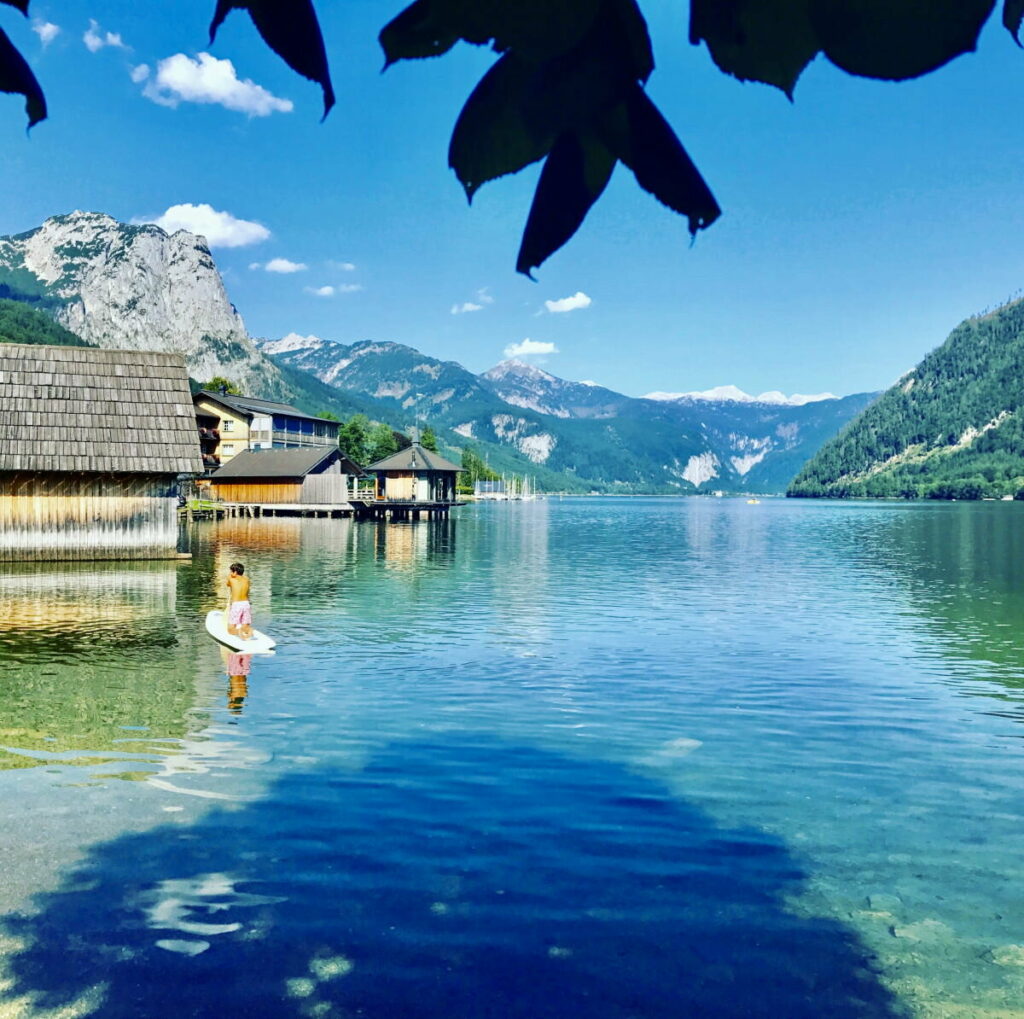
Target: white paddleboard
column 257, row 644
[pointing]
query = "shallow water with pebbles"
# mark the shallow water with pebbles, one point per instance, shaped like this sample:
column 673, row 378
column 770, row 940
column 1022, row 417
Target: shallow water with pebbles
column 637, row 757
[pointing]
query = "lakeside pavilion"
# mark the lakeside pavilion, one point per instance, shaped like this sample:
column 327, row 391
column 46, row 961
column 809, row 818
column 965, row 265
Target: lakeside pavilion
column 92, row 446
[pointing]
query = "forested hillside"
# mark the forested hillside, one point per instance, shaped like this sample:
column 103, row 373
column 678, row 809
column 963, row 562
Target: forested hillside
column 950, row 429
column 21, row 323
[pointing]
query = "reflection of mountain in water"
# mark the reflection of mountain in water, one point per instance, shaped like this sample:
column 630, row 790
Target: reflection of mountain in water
column 962, row 567
column 92, row 662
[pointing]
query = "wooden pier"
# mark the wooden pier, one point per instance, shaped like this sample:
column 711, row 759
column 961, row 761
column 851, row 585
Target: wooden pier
column 361, row 509
column 220, row 510
column 402, row 509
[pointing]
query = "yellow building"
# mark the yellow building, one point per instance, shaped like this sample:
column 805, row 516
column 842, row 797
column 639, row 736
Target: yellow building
column 229, row 425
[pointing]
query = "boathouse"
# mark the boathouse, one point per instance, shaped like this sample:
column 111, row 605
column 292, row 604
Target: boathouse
column 92, row 443
column 412, row 481
column 229, row 425
column 297, row 479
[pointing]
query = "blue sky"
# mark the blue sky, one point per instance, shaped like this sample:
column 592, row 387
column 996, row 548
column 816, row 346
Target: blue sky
column 861, row 222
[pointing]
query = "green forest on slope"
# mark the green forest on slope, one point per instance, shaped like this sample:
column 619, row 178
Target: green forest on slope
column 21, row 323
column 950, row 429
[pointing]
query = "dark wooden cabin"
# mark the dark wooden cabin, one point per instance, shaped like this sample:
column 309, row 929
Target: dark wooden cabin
column 317, row 475
column 92, row 444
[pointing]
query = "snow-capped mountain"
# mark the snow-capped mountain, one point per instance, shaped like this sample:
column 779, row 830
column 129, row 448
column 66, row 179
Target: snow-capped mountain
column 733, row 394
column 137, row 287
column 525, row 385
column 593, row 433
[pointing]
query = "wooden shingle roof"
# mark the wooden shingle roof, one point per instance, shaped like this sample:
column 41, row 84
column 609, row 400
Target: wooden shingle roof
column 81, row 409
column 279, row 464
column 414, row 458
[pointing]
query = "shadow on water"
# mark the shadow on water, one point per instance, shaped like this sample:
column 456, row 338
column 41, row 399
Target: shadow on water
column 465, row 879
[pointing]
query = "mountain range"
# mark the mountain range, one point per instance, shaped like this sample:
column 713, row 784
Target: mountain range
column 134, row 286
column 590, row 435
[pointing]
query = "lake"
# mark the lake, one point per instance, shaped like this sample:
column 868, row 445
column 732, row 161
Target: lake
column 585, row 757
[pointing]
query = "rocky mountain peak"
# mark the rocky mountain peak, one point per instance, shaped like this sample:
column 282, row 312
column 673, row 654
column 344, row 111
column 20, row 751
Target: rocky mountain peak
column 513, row 367
column 133, row 286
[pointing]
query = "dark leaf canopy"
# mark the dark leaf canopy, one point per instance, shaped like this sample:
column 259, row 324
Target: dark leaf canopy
column 567, row 86
column 17, row 76
column 291, row 29
column 1013, row 14
column 774, row 40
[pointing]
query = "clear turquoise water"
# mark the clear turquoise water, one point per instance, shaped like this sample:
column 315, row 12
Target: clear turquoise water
column 609, row 758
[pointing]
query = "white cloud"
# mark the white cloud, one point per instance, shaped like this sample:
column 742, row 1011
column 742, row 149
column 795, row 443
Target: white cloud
column 341, row 266
column 283, row 265
column 179, row 79
column 350, row 288
column 139, row 73
column 46, row 30
column 221, row 229
column 481, row 300
column 320, row 291
column 578, row 300
column 530, row 347
column 95, row 40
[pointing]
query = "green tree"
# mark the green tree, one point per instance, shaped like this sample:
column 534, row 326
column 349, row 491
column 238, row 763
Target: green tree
column 354, row 439
column 474, row 469
column 218, row 383
column 381, row 443
column 428, row 440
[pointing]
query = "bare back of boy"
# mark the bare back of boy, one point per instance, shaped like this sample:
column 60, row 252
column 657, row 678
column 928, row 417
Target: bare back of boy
column 238, row 586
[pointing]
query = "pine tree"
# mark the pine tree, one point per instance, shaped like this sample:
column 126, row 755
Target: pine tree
column 353, row 439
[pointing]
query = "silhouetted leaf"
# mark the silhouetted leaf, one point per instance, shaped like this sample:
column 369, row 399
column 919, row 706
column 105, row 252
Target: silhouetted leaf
column 536, row 30
column 641, row 138
column 520, row 106
column 1013, row 14
column 575, row 174
column 897, row 39
column 492, row 136
column 756, row 40
column 22, row 5
column 290, row 28
column 423, row 29
column 17, row 76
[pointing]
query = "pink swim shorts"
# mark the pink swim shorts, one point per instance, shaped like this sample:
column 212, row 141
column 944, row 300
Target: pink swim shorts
column 240, row 614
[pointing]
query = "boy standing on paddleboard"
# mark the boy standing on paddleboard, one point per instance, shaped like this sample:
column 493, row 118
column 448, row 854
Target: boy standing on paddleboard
column 239, row 610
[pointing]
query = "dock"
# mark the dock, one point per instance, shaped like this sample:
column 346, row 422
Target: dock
column 403, row 509
column 361, row 509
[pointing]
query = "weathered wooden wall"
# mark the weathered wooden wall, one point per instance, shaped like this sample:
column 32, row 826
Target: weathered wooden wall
column 256, row 493
column 325, row 489
column 399, row 486
column 53, row 517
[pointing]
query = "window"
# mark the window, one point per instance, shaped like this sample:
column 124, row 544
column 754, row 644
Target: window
column 228, row 447
column 227, row 425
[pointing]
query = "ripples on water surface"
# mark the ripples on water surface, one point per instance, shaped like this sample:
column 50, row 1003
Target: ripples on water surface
column 609, row 758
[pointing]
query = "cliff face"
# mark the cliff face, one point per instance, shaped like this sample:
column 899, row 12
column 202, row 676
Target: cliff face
column 133, row 287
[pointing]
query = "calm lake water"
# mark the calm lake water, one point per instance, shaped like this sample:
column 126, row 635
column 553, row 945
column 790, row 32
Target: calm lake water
column 591, row 758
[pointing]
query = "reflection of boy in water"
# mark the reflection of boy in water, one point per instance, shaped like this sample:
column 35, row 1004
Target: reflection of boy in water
column 238, row 666
column 239, row 610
